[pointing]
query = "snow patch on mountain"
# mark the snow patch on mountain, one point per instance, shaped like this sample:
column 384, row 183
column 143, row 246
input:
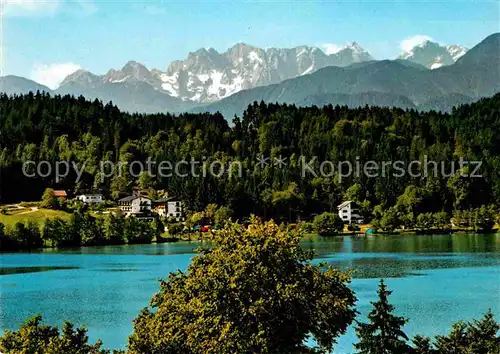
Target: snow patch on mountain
column 456, row 51
column 253, row 56
column 207, row 75
column 425, row 51
column 170, row 84
column 309, row 70
column 119, row 80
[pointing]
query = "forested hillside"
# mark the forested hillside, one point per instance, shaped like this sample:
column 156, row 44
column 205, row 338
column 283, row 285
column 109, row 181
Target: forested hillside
column 36, row 127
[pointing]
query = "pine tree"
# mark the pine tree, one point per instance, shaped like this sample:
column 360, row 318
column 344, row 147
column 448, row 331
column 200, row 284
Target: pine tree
column 383, row 333
column 477, row 337
column 422, row 345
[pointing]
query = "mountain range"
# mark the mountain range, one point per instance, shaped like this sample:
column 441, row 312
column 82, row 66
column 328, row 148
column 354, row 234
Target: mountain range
column 384, row 83
column 207, row 76
column 432, row 55
column 227, row 82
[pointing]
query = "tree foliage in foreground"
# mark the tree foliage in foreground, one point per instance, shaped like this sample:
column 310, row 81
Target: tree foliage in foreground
column 33, row 337
column 255, row 292
column 182, row 330
column 475, row 337
column 383, row 333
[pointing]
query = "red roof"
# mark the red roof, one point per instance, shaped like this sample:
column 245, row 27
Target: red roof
column 59, row 194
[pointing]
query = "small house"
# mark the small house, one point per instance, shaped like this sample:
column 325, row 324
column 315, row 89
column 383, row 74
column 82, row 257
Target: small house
column 349, row 212
column 90, row 198
column 135, row 205
column 167, row 207
column 60, row 194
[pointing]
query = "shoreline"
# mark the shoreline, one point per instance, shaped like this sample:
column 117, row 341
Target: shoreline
column 173, row 240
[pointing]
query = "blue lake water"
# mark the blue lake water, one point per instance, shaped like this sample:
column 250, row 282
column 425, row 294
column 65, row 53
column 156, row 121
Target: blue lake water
column 437, row 280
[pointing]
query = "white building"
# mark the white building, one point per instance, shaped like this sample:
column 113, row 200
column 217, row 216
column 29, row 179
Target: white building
column 135, row 205
column 169, row 208
column 349, row 212
column 90, row 198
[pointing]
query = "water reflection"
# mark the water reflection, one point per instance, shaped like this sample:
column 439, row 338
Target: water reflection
column 388, row 267
column 23, row 270
column 436, row 280
column 455, row 243
column 407, row 255
column 158, row 249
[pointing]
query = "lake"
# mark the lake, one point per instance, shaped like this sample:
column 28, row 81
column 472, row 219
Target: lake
column 437, row 280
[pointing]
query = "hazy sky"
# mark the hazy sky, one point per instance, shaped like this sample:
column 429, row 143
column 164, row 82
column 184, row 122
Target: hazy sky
column 46, row 40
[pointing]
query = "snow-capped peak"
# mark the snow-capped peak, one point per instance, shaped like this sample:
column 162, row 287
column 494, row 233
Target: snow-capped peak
column 208, row 76
column 419, row 40
column 332, row 48
column 425, row 51
column 456, row 51
column 416, row 48
column 355, row 47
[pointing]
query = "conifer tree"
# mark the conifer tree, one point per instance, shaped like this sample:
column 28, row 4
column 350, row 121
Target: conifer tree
column 383, row 334
column 477, row 337
column 422, row 345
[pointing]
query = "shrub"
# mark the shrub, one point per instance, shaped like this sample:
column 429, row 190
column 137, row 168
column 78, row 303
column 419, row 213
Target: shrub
column 175, row 228
column 307, row 227
column 442, row 220
column 49, row 201
column 223, row 215
column 33, row 337
column 29, row 204
column 426, row 221
column 328, row 224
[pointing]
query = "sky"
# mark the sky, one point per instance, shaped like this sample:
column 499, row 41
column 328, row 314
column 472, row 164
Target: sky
column 47, row 40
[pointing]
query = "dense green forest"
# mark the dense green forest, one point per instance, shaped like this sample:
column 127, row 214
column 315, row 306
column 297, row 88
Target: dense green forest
column 39, row 127
column 82, row 229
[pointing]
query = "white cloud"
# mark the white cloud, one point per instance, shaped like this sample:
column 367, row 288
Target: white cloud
column 29, row 7
column 51, row 75
column 409, row 43
column 331, row 48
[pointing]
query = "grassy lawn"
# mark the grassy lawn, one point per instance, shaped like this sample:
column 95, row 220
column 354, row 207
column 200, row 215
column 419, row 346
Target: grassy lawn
column 38, row 216
column 17, row 211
